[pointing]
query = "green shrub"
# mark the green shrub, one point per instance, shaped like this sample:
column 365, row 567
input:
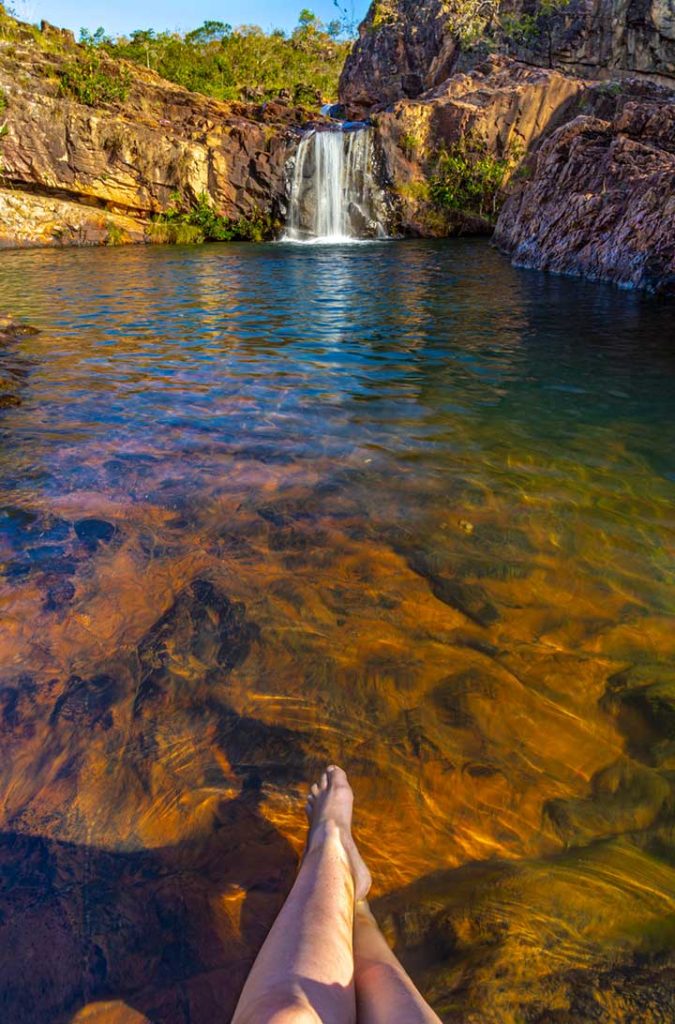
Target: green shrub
column 3, row 101
column 468, row 178
column 244, row 63
column 171, row 233
column 385, row 12
column 91, row 81
column 409, row 143
column 185, row 224
column 115, row 235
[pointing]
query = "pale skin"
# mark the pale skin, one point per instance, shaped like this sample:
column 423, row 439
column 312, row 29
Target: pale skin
column 325, row 960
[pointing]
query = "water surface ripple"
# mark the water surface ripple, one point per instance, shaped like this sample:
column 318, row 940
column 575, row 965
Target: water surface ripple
column 395, row 505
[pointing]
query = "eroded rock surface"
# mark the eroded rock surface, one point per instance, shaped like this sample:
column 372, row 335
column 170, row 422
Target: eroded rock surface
column 505, row 103
column 78, row 174
column 406, row 48
column 601, row 201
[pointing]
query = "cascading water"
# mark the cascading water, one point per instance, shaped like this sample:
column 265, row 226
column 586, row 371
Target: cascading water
column 334, row 195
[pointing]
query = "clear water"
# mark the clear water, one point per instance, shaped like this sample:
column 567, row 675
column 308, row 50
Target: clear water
column 398, row 506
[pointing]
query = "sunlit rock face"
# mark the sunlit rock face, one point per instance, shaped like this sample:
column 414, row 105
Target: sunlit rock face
column 80, row 175
column 406, row 48
column 601, row 199
column 510, row 106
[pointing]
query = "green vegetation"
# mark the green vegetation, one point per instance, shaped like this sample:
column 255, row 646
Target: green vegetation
column 385, row 12
column 168, row 233
column 185, row 224
column 410, row 143
column 468, row 178
column 94, row 80
column 235, row 64
column 472, row 19
column 115, row 234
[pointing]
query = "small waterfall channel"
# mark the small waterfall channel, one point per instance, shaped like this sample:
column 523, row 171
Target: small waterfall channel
column 334, row 195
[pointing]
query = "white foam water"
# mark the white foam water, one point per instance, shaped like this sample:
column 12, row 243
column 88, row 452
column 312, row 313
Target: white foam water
column 334, row 196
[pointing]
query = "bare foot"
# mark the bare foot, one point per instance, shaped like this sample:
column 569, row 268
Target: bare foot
column 330, row 803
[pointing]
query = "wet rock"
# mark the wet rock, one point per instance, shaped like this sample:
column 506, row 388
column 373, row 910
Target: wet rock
column 453, row 697
column 93, row 532
column 87, row 702
column 23, row 527
column 202, row 623
column 16, row 520
column 642, row 699
column 268, row 454
column 625, row 797
column 11, row 328
column 467, row 598
column 271, row 515
column 19, row 705
column 58, row 595
column 45, row 554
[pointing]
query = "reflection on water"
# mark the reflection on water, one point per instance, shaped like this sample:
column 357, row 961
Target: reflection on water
column 398, row 506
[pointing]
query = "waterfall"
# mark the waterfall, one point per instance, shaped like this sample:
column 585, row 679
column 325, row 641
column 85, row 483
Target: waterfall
column 334, row 196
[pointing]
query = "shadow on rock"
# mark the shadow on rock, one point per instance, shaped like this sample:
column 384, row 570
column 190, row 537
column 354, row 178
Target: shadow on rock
column 170, row 931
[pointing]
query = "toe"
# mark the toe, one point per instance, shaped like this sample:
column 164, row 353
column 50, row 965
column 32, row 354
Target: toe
column 337, row 775
column 314, row 789
column 324, row 780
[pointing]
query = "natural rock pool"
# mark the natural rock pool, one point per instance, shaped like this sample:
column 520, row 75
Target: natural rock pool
column 395, row 505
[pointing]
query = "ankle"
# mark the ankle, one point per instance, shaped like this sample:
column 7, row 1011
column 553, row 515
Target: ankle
column 324, row 833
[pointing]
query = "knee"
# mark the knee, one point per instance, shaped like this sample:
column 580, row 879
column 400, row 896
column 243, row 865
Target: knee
column 278, row 1008
column 298, row 1014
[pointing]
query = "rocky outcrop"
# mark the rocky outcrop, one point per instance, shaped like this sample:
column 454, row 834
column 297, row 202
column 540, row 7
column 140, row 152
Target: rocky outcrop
column 79, row 174
column 406, row 47
column 403, row 49
column 602, row 38
column 506, row 104
column 601, row 202
column 597, row 198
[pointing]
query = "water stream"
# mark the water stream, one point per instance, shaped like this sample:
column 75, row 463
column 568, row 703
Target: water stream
column 334, row 196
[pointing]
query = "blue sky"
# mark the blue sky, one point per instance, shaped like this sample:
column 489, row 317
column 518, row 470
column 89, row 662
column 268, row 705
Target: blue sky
column 126, row 15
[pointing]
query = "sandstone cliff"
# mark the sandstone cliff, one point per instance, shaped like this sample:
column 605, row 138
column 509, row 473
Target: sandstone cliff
column 407, row 47
column 507, row 104
column 74, row 173
column 598, row 198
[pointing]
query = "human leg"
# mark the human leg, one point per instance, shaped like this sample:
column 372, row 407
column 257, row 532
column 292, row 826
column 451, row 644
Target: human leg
column 384, row 992
column 304, row 973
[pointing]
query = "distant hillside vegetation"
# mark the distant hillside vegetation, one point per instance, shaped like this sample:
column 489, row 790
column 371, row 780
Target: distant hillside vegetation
column 243, row 63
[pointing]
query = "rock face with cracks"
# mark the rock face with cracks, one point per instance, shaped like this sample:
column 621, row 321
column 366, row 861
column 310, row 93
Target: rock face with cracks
column 579, row 108
column 79, row 174
column 405, row 47
column 601, row 203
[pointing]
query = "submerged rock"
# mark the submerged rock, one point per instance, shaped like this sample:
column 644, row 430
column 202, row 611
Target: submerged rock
column 93, row 532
